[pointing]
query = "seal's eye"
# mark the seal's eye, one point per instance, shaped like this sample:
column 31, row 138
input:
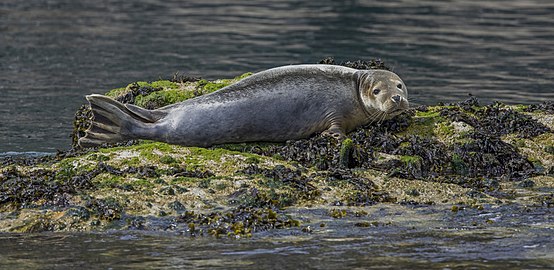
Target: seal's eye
column 376, row 91
column 399, row 86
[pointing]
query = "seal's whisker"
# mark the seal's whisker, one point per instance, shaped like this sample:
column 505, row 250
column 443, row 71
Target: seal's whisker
column 383, row 116
column 375, row 117
column 372, row 115
column 380, row 117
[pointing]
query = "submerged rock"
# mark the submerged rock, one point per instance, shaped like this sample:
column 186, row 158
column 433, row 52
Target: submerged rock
column 461, row 155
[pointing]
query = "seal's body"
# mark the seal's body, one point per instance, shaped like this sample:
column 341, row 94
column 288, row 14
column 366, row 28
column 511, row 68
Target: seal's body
column 279, row 104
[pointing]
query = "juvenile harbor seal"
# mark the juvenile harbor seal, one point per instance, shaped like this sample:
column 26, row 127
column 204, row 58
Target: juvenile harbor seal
column 279, row 104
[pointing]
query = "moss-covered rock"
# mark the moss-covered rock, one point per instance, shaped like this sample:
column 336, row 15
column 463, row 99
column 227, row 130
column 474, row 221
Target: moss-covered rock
column 460, row 154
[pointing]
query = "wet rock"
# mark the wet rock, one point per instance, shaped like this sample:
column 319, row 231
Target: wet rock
column 107, row 209
column 238, row 222
column 526, row 184
column 546, row 107
column 177, row 206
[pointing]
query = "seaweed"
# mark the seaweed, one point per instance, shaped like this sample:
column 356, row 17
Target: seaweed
column 183, row 78
column 135, row 90
column 494, row 119
column 546, row 107
column 357, row 64
column 107, row 209
column 292, row 181
column 238, row 222
column 489, row 156
column 320, row 151
column 26, row 188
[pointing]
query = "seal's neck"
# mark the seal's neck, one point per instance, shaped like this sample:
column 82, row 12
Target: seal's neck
column 364, row 80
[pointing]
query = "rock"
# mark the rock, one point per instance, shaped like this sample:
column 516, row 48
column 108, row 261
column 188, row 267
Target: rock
column 435, row 155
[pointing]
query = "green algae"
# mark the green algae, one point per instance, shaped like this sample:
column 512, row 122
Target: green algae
column 520, row 107
column 166, row 159
column 162, row 98
column 117, row 92
column 458, row 165
column 165, row 84
column 424, row 123
column 145, row 151
column 346, row 152
column 159, row 85
column 160, row 93
column 207, row 87
column 337, row 213
column 410, row 159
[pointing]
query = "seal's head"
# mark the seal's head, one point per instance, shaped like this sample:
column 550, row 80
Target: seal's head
column 383, row 93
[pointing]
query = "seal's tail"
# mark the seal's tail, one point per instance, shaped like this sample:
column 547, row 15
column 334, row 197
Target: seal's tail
column 115, row 122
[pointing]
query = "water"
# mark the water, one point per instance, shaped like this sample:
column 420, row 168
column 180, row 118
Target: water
column 406, row 238
column 53, row 52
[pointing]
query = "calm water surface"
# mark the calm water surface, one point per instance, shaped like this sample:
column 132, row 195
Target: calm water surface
column 54, row 52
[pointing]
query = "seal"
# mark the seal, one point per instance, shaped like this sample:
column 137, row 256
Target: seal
column 275, row 105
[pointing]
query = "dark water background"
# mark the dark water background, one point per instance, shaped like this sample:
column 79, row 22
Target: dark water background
column 53, row 52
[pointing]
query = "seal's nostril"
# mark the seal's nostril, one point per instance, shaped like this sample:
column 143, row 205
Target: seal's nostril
column 396, row 98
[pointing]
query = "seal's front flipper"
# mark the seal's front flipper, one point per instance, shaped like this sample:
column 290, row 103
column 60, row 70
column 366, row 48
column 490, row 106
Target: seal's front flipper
column 115, row 122
column 335, row 132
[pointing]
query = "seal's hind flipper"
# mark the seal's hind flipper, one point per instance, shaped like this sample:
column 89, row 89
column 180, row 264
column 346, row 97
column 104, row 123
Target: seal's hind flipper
column 115, row 122
column 147, row 115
